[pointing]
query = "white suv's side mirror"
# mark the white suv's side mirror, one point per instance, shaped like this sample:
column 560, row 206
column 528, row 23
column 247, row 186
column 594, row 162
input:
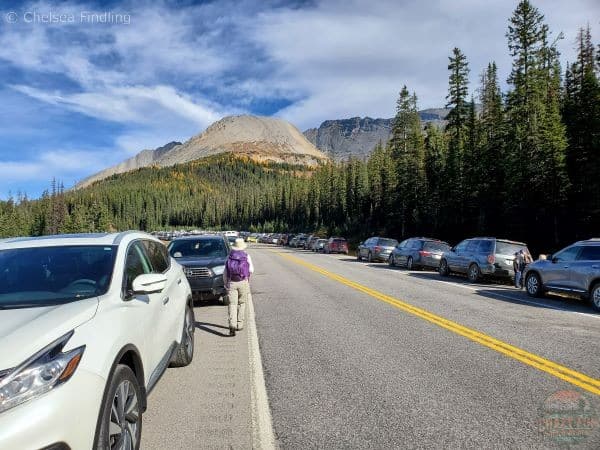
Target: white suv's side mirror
column 150, row 283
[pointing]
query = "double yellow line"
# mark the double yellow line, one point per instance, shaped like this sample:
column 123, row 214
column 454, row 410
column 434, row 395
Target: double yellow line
column 564, row 373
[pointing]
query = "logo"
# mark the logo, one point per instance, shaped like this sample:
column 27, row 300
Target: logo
column 568, row 417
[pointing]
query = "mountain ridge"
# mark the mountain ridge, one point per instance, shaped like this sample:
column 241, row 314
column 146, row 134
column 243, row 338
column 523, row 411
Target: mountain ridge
column 357, row 136
column 260, row 138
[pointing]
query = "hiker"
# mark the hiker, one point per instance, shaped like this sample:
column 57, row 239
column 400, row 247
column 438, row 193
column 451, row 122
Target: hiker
column 236, row 276
column 519, row 266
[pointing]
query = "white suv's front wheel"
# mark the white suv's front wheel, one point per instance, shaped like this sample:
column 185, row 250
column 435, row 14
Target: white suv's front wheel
column 185, row 351
column 121, row 416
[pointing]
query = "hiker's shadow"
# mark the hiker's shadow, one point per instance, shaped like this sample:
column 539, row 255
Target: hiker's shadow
column 207, row 327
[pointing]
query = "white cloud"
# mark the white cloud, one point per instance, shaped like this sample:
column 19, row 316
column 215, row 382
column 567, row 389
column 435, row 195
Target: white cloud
column 136, row 104
column 62, row 164
column 350, row 58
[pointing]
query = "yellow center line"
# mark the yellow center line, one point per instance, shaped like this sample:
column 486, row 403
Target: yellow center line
column 564, row 373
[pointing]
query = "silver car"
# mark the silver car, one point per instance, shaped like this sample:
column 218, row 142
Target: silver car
column 574, row 270
column 376, row 249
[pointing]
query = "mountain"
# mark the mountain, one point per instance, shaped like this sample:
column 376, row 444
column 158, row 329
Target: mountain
column 259, row 138
column 356, row 137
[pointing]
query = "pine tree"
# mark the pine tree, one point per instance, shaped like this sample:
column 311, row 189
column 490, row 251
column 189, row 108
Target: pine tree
column 457, row 134
column 581, row 114
column 492, row 136
column 536, row 177
column 407, row 148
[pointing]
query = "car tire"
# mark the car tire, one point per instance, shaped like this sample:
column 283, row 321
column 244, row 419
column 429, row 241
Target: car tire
column 185, row 350
column 128, row 417
column 474, row 273
column 225, row 300
column 409, row 263
column 358, row 257
column 370, row 257
column 533, row 285
column 392, row 261
column 595, row 297
column 443, row 269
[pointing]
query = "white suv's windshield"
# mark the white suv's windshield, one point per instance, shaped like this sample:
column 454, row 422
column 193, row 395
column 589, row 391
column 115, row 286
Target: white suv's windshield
column 32, row 277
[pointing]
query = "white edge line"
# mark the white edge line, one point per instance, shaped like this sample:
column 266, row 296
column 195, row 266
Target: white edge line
column 263, row 436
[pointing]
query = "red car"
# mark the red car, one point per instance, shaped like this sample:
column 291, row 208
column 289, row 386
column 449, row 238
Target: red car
column 336, row 245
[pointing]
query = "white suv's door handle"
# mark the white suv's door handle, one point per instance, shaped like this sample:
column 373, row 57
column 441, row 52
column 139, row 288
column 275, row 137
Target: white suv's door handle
column 165, row 300
column 179, row 281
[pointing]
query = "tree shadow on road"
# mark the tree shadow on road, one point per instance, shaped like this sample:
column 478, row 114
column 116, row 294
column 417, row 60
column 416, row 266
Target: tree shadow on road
column 502, row 290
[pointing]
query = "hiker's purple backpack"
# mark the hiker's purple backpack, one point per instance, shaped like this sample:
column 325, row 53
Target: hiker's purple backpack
column 238, row 268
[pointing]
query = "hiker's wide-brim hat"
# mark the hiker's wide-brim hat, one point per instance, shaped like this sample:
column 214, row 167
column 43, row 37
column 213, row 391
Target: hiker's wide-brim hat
column 239, row 244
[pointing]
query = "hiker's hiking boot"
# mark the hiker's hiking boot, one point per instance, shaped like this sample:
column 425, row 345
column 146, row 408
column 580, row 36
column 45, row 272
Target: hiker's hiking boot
column 231, row 331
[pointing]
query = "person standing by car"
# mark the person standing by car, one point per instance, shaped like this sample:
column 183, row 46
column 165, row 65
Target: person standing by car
column 236, row 277
column 519, row 266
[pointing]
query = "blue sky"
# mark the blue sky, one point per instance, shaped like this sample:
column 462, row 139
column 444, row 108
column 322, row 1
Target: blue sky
column 85, row 85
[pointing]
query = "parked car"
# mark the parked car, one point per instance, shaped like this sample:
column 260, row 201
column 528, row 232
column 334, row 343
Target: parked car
column 88, row 324
column 318, row 245
column 414, row 253
column 203, row 258
column 300, row 241
column 308, row 245
column 252, row 238
column 575, row 270
column 336, row 245
column 479, row 257
column 376, row 249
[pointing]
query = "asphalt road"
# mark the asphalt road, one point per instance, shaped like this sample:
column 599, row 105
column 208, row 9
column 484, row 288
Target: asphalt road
column 356, row 366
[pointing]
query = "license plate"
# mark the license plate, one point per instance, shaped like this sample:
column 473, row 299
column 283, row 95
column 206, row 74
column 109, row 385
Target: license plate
column 437, row 256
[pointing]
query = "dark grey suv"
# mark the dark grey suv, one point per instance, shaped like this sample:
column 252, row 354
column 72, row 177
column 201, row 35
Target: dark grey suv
column 203, row 260
column 418, row 252
column 575, row 269
column 479, row 257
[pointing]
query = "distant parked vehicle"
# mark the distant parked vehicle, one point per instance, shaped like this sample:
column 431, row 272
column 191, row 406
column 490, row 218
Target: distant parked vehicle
column 301, row 241
column 336, row 245
column 575, row 270
column 318, row 245
column 415, row 253
column 479, row 257
column 252, row 238
column 310, row 241
column 376, row 249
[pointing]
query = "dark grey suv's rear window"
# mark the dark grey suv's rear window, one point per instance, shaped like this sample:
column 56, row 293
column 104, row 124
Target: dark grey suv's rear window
column 506, row 248
column 590, row 253
column 436, row 246
column 388, row 242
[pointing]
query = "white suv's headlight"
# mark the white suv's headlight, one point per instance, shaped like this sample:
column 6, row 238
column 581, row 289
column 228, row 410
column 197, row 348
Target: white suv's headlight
column 218, row 270
column 39, row 374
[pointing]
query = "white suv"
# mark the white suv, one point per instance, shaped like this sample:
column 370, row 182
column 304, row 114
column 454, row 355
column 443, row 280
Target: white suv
column 88, row 324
